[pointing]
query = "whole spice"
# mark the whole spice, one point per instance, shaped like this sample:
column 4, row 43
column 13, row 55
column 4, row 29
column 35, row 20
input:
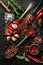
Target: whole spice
column 7, row 9
column 16, row 35
column 15, row 22
column 34, row 59
column 13, row 38
column 9, row 31
column 40, row 15
column 10, row 28
column 39, row 11
column 8, row 38
column 14, row 26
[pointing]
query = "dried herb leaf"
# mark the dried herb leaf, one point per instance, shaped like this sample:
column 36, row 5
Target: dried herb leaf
column 19, row 57
column 26, row 59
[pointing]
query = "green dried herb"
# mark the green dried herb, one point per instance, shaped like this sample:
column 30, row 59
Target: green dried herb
column 15, row 7
column 22, row 57
column 26, row 59
column 19, row 57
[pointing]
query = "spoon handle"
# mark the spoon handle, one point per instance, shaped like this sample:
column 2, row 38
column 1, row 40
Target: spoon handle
column 22, row 41
column 30, row 6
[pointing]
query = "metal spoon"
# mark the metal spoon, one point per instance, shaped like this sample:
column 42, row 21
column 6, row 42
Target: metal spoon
column 15, row 49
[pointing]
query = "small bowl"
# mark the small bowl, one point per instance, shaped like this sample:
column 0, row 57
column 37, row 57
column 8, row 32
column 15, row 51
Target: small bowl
column 38, row 39
column 34, row 49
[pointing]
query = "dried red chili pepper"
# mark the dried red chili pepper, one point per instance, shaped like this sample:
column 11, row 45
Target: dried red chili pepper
column 34, row 59
column 39, row 11
column 9, row 31
column 10, row 28
column 10, row 25
column 15, row 22
column 26, row 48
column 41, row 14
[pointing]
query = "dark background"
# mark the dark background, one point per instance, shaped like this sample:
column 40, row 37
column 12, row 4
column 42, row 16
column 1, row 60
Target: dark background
column 3, row 43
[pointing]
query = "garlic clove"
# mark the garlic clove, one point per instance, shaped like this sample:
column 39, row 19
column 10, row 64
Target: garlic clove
column 14, row 26
column 14, row 39
column 16, row 35
column 8, row 38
